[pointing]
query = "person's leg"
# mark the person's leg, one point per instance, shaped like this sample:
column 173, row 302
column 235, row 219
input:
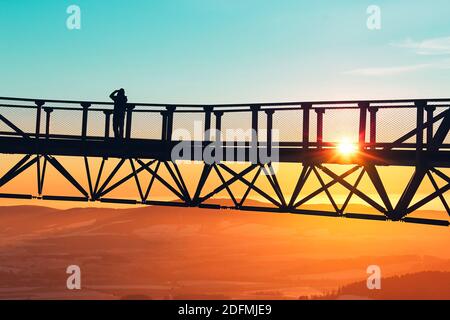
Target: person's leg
column 116, row 127
column 121, row 125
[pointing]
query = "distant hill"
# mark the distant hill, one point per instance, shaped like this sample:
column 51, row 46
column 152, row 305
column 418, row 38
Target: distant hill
column 428, row 285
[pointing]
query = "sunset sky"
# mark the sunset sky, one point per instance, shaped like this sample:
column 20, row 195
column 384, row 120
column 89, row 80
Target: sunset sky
column 204, row 51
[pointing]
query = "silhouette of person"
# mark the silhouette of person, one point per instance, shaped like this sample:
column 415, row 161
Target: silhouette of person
column 120, row 106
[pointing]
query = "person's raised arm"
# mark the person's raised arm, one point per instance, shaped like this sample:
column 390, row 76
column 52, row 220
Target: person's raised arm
column 113, row 94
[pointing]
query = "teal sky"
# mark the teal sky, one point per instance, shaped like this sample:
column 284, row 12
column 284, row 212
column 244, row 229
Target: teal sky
column 214, row 51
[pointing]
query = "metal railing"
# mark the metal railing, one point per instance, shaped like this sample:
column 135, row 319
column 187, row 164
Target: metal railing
column 305, row 122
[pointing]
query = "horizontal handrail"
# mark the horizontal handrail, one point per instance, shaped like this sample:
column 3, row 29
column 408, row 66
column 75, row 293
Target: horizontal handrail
column 227, row 105
column 227, row 143
column 201, row 110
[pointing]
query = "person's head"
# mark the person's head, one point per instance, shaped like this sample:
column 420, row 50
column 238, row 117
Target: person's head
column 121, row 92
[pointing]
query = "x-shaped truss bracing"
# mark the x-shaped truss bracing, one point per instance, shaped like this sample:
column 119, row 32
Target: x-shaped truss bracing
column 100, row 185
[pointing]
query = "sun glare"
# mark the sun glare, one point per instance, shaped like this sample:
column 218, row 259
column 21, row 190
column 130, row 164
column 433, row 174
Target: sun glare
column 347, row 148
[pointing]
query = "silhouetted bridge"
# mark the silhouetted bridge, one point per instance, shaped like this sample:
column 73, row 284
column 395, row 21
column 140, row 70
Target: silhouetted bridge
column 407, row 133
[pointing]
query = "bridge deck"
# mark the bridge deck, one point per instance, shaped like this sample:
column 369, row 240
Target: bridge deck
column 379, row 154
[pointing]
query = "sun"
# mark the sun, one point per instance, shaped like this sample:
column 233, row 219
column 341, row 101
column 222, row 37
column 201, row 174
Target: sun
column 346, row 148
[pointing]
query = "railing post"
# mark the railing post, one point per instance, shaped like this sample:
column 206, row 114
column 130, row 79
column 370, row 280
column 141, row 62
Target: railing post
column 420, row 105
column 164, row 126
column 363, row 106
column 306, row 108
column 373, row 126
column 130, row 108
column 253, row 151
column 207, row 133
column 39, row 104
column 320, row 113
column 218, row 135
column 255, row 110
column 170, row 111
column 48, row 111
column 218, row 115
column 430, row 115
column 269, row 114
column 84, row 123
column 108, row 114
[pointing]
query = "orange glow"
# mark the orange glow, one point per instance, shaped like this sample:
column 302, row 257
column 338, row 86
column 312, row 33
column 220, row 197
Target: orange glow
column 346, row 148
